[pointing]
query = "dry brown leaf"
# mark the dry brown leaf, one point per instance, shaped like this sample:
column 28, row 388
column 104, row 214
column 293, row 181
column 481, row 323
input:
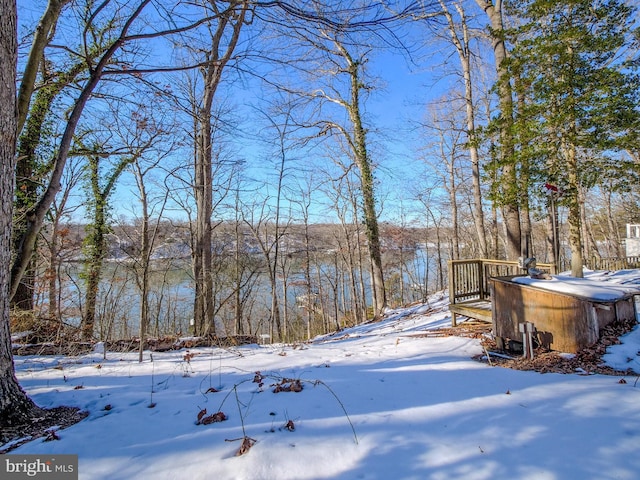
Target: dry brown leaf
column 287, row 385
column 214, row 418
column 247, row 443
column 201, row 414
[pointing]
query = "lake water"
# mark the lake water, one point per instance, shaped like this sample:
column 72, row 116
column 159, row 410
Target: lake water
column 172, row 294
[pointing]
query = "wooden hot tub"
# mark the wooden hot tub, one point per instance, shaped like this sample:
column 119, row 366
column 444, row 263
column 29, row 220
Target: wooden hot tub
column 567, row 312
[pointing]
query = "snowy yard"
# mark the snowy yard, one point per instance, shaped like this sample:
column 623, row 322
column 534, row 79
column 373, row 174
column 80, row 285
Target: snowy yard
column 378, row 401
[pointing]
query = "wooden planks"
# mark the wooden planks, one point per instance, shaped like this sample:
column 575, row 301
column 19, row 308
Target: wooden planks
column 563, row 322
column 477, row 309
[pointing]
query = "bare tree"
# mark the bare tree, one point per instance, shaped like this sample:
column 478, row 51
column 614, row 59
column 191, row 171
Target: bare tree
column 36, row 214
column 41, row 38
column 306, row 301
column 97, row 230
column 508, row 186
column 264, row 231
column 444, row 156
column 33, row 166
column 148, row 236
column 224, row 33
column 330, row 45
column 245, row 272
column 107, row 58
column 338, row 59
column 143, row 136
column 343, row 188
column 57, row 235
column 461, row 39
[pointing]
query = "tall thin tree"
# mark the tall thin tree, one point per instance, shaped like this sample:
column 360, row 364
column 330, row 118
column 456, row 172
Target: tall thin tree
column 224, row 32
column 507, row 187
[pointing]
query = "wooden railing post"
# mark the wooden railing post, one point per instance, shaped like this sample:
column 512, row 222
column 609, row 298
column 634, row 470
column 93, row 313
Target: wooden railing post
column 452, row 289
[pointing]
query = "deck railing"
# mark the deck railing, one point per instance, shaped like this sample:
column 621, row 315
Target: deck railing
column 614, row 263
column 469, row 279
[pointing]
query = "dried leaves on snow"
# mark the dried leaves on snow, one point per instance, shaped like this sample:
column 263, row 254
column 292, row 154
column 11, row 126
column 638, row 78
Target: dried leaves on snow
column 247, row 443
column 204, row 419
column 287, row 385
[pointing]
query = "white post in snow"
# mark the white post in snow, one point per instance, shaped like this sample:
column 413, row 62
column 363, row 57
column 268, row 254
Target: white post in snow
column 527, row 329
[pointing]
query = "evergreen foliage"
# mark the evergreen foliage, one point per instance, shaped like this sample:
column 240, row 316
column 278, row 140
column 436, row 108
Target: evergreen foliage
column 578, row 87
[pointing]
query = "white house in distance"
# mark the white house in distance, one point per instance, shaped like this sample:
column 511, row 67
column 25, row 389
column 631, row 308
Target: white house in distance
column 633, row 240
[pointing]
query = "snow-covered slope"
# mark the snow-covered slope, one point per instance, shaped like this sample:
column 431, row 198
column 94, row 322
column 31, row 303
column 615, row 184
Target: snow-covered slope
column 378, row 402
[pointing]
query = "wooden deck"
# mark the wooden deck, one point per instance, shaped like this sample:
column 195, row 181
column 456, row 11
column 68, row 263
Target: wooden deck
column 469, row 286
column 476, row 309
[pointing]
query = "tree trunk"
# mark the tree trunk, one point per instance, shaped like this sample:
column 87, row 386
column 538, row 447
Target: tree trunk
column 16, row 407
column 285, row 294
column 28, row 180
column 217, row 58
column 526, row 235
column 510, row 208
column 307, row 273
column 143, row 261
column 353, row 283
column 53, row 271
column 464, row 53
column 23, row 298
column 440, row 260
column 203, row 304
column 590, row 246
column 275, row 319
column 367, row 182
column 237, row 295
column 452, row 190
column 573, row 219
column 41, row 38
column 552, row 231
column 27, row 184
column 359, row 258
column 96, row 240
column 97, row 253
column 373, row 237
column 613, row 232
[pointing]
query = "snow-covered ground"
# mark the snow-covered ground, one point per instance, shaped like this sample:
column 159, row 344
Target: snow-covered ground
column 379, row 401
